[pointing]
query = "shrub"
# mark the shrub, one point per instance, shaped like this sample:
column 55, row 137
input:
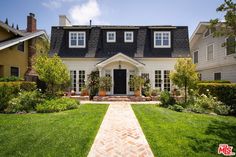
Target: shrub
column 214, row 81
column 166, row 99
column 57, row 105
column 25, row 101
column 155, row 92
column 146, row 89
column 225, row 92
column 176, row 107
column 8, row 90
column 10, row 79
column 93, row 83
column 208, row 104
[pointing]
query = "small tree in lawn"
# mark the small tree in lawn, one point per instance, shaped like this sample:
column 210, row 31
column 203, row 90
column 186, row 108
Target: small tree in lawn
column 184, row 75
column 53, row 72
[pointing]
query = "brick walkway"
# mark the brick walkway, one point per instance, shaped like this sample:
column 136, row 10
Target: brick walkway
column 120, row 134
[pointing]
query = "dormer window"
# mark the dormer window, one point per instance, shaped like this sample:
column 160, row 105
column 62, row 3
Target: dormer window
column 111, row 37
column 77, row 39
column 129, row 37
column 162, row 40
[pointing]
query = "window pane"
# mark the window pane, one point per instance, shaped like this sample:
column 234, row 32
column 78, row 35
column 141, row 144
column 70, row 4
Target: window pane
column 21, row 46
column 81, row 39
column 158, row 39
column 210, row 52
column 230, row 47
column 195, row 58
column 15, row 71
column 158, row 79
column 217, row 76
column 166, row 80
column 73, row 80
column 165, row 39
column 73, row 38
column 81, row 79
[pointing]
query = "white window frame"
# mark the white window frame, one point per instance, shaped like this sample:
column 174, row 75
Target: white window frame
column 111, row 41
column 162, row 46
column 77, row 35
column 210, row 33
column 212, row 52
column 132, row 37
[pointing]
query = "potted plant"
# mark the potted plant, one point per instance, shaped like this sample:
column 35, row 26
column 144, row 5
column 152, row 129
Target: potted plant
column 104, row 85
column 136, row 82
column 84, row 91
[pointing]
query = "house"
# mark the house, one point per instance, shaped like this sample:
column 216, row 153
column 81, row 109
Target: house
column 213, row 60
column 17, row 48
column 120, row 52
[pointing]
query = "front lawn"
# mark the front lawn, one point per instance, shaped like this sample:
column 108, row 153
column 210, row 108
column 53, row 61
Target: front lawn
column 171, row 133
column 68, row 133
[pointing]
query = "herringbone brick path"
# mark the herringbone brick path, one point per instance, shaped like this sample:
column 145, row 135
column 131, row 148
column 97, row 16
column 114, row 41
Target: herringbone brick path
column 120, row 134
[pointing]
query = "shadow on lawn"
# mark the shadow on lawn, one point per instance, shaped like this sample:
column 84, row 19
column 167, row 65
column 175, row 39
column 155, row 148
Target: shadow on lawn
column 218, row 132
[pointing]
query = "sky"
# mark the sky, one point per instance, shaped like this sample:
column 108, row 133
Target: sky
column 115, row 12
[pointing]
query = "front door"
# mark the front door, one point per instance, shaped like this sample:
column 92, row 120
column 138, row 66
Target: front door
column 119, row 81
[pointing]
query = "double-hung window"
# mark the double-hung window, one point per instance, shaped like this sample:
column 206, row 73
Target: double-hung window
column 111, row 37
column 77, row 39
column 230, row 45
column 195, row 57
column 210, row 51
column 162, row 39
column 129, row 37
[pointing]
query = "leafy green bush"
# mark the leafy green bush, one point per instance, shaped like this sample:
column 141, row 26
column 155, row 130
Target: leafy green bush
column 146, row 89
column 208, row 104
column 57, row 105
column 176, row 107
column 8, row 90
column 155, row 92
column 166, row 99
column 10, row 79
column 214, row 81
column 225, row 92
column 25, row 101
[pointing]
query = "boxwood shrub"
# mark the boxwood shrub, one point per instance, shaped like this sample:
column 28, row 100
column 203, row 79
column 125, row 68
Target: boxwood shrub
column 225, row 92
column 214, row 81
column 57, row 105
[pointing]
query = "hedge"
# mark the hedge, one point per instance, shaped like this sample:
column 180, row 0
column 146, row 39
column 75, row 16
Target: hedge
column 9, row 90
column 225, row 92
column 214, row 81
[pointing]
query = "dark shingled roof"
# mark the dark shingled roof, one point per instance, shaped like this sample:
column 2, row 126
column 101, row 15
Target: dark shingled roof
column 142, row 46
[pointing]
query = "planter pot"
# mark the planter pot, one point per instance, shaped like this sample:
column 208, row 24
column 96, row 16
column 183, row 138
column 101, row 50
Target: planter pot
column 84, row 92
column 102, row 93
column 137, row 93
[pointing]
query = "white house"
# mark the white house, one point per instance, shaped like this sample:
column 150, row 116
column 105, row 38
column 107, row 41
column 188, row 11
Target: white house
column 120, row 52
column 214, row 61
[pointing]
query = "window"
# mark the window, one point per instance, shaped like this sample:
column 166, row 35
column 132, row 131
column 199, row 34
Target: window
column 108, row 74
column 81, row 79
column 217, row 76
column 207, row 33
column 129, row 37
column 77, row 40
column 210, row 49
column 145, row 76
column 158, row 79
column 73, row 80
column 230, row 45
column 200, row 76
column 131, row 75
column 21, row 47
column 15, row 71
column 167, row 80
column 161, row 39
column 195, row 57
column 111, row 37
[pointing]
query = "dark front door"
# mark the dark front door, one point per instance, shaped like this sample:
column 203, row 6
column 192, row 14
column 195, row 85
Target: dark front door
column 119, row 81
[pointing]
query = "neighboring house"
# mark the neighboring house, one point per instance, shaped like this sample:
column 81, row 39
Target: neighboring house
column 120, row 52
column 214, row 61
column 17, row 49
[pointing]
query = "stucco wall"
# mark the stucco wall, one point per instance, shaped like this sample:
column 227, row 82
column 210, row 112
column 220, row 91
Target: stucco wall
column 11, row 57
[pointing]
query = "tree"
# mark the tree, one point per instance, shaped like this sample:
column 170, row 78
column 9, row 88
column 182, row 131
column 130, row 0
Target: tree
column 6, row 22
column 227, row 28
column 53, row 72
column 93, row 83
column 184, row 75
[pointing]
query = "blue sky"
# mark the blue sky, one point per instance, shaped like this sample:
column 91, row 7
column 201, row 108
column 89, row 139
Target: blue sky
column 121, row 12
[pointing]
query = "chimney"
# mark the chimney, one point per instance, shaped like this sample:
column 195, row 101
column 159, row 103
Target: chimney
column 64, row 21
column 31, row 23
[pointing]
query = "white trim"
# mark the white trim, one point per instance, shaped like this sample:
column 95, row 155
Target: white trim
column 77, row 35
column 132, row 37
column 212, row 51
column 161, row 46
column 111, row 41
column 196, row 30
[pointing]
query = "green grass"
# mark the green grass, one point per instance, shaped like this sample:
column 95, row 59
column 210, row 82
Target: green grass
column 68, row 133
column 171, row 133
